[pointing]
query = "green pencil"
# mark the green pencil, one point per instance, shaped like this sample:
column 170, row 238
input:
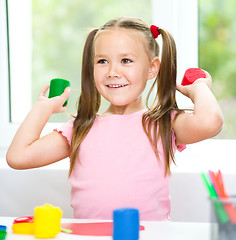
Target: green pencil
column 66, row 230
column 219, row 208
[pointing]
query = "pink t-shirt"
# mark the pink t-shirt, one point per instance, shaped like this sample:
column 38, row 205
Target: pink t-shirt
column 118, row 168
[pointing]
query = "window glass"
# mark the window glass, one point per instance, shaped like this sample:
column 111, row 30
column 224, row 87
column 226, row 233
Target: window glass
column 217, row 55
column 59, row 29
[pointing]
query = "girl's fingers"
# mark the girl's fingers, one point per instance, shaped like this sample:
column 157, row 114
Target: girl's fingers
column 207, row 74
column 44, row 90
column 179, row 87
column 56, row 103
column 64, row 96
column 63, row 109
column 66, row 93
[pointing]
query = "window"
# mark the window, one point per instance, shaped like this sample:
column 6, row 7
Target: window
column 53, row 36
column 6, row 131
column 217, row 54
column 172, row 16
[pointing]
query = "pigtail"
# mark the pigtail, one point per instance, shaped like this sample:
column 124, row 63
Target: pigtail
column 89, row 101
column 164, row 102
column 168, row 71
column 166, row 93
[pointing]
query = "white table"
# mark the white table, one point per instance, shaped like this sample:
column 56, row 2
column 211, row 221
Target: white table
column 153, row 231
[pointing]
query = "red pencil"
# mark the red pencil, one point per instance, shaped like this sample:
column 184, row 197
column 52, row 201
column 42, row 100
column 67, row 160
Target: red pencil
column 217, row 181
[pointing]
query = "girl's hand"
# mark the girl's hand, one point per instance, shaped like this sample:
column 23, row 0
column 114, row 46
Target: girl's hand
column 190, row 90
column 55, row 103
column 27, row 149
column 206, row 119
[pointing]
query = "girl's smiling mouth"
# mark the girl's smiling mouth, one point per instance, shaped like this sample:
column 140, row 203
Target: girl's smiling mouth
column 116, row 85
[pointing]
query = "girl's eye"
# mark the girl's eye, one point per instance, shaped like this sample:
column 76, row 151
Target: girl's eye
column 102, row 61
column 125, row 60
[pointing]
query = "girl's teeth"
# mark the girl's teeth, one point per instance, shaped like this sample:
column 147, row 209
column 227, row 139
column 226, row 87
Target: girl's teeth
column 116, row 86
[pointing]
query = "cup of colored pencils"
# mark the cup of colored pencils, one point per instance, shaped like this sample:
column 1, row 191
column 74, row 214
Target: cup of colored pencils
column 223, row 207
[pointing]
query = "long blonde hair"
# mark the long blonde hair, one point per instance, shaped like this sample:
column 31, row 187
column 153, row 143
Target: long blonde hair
column 160, row 112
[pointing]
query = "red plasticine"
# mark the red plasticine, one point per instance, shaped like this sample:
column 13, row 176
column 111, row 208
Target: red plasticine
column 191, row 75
column 91, row 229
column 26, row 219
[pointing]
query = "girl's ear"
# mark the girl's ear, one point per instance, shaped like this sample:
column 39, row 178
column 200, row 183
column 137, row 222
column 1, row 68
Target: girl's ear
column 154, row 68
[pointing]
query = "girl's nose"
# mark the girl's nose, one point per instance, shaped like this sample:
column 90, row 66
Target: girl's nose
column 113, row 72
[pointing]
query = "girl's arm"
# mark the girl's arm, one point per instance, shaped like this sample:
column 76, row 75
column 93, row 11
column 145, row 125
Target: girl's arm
column 27, row 149
column 205, row 121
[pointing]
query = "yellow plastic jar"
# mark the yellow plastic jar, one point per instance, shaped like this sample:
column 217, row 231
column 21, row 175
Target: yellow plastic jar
column 47, row 221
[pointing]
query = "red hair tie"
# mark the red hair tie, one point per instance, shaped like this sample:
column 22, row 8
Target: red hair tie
column 154, row 30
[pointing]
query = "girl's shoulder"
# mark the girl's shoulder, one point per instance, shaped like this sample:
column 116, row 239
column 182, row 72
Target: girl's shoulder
column 66, row 129
column 175, row 113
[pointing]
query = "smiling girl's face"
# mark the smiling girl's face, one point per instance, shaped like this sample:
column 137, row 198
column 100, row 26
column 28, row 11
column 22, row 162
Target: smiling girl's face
column 122, row 67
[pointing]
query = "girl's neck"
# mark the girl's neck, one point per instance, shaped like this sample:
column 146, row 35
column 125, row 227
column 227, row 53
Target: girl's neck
column 124, row 110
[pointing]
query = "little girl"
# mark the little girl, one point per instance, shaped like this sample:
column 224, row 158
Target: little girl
column 122, row 157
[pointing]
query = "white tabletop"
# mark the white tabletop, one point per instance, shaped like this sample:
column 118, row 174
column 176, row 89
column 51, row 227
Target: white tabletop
column 153, row 231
